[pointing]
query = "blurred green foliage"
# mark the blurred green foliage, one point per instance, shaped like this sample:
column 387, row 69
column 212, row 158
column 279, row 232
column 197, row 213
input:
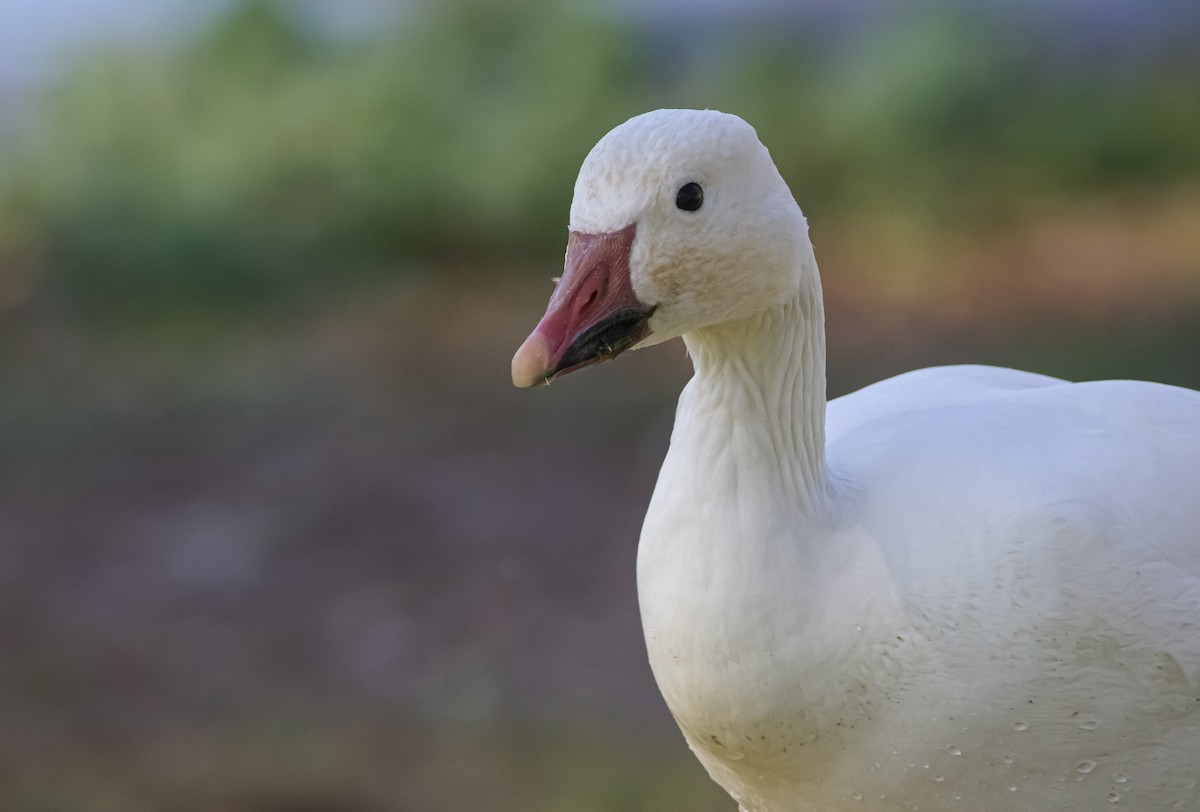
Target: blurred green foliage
column 263, row 158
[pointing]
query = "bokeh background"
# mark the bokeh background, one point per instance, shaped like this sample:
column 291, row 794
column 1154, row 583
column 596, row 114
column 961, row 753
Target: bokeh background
column 276, row 533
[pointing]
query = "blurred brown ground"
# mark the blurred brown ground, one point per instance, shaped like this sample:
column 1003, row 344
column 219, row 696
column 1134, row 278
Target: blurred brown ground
column 334, row 560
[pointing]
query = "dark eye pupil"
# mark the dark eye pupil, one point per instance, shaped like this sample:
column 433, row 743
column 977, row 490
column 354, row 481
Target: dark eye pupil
column 690, row 196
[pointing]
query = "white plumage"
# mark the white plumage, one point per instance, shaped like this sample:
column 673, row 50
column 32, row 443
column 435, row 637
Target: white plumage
column 963, row 588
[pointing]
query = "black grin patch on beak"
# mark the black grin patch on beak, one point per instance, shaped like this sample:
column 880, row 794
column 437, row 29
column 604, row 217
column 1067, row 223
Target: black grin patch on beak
column 605, row 339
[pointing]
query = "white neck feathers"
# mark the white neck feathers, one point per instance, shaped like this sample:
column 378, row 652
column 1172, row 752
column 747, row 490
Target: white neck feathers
column 759, row 398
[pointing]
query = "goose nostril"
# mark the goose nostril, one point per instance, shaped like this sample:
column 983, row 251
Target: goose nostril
column 590, row 301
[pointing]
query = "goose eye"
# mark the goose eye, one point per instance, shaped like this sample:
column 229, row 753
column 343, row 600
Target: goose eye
column 689, row 197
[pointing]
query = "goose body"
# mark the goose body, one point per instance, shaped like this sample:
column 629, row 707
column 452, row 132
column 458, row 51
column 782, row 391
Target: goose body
column 962, row 588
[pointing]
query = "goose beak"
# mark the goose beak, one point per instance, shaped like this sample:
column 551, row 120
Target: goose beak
column 593, row 314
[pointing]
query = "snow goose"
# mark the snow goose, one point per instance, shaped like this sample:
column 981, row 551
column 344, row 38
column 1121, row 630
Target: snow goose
column 963, row 588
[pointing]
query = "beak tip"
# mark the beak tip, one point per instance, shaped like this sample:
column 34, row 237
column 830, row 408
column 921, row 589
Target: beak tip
column 531, row 364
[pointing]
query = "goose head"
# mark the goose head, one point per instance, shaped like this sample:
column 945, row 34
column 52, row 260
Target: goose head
column 679, row 221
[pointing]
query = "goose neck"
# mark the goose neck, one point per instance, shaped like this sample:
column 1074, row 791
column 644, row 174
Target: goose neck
column 760, row 390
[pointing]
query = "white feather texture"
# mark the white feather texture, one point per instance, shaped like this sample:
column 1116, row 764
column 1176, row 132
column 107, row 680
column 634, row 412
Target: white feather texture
column 963, row 588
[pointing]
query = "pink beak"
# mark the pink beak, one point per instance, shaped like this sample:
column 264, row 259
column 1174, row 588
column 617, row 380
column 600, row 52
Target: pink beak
column 593, row 314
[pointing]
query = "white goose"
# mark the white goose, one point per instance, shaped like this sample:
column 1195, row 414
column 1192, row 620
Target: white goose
column 963, row 588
